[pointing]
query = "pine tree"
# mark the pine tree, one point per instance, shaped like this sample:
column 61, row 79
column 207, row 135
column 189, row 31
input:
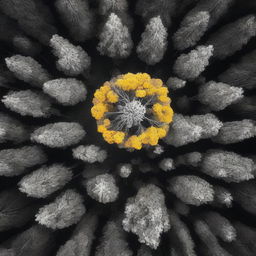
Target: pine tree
column 67, row 91
column 102, row 188
column 66, row 210
column 59, row 135
column 191, row 189
column 153, row 44
column 15, row 209
column 226, row 42
column 90, row 153
column 46, row 180
column 72, row 60
column 12, row 130
column 28, row 103
column 190, row 66
column 77, row 17
column 241, row 74
column 227, row 166
column 14, row 162
column 146, row 215
column 28, row 70
column 219, row 95
column 115, row 39
column 236, row 131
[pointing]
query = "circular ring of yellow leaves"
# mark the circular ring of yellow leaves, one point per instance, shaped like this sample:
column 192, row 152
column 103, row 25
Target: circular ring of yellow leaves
column 143, row 86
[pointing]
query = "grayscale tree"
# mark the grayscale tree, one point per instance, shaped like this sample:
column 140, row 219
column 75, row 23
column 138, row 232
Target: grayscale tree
column 144, row 251
column 67, row 91
column 102, row 188
column 222, row 197
column 82, row 238
column 46, row 180
column 190, row 66
column 236, row 131
column 59, row 135
column 242, row 73
column 116, row 6
column 12, row 130
column 28, row 70
column 191, row 189
column 124, row 170
column 146, row 215
column 153, row 44
column 181, row 208
column 72, row 60
column 113, row 241
column 66, row 210
column 77, row 17
column 191, row 29
column 190, row 159
column 227, row 166
column 218, row 96
column 90, row 153
column 29, row 103
column 115, row 39
column 16, row 210
column 166, row 164
column 14, row 162
column 175, row 83
column 226, row 42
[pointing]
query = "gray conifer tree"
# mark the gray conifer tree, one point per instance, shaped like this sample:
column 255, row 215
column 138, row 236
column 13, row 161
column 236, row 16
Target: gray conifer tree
column 67, row 91
column 191, row 159
column 222, row 197
column 59, row 135
column 116, row 6
column 66, row 210
column 72, row 60
column 77, row 17
column 175, row 83
column 190, row 66
column 153, row 44
column 115, row 38
column 14, row 162
column 226, row 42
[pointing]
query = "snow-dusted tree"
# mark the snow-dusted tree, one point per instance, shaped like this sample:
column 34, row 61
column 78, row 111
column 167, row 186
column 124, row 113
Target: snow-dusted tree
column 226, row 42
column 72, row 60
column 151, row 8
column 191, row 159
column 29, row 103
column 241, row 74
column 115, row 38
column 175, row 83
column 45, row 180
column 233, row 132
column 81, row 240
column 28, row 70
column 209, row 239
column 35, row 241
column 227, row 166
column 180, row 234
column 33, row 16
column 12, row 130
column 90, row 153
column 191, row 189
column 59, row 135
column 166, row 164
column 66, row 210
column 146, row 215
column 124, row 170
column 192, row 28
column 220, row 226
column 244, row 194
column 144, row 251
column 67, row 91
column 183, row 131
column 210, row 124
column 15, row 209
column 219, row 95
column 113, row 241
column 14, row 162
column 222, row 197
column 77, row 17
column 102, row 188
column 153, row 44
column 190, row 66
